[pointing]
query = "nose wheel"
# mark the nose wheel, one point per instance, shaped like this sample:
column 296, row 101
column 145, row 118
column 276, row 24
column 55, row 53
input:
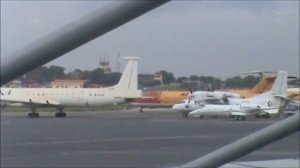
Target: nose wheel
column 240, row 118
column 185, row 114
column 61, row 113
column 141, row 109
column 33, row 113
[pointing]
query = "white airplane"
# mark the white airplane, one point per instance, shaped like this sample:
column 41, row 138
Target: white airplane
column 188, row 105
column 198, row 98
column 125, row 91
column 269, row 102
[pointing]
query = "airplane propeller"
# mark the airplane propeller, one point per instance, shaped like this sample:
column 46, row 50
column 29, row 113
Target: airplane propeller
column 225, row 99
column 191, row 94
column 209, row 87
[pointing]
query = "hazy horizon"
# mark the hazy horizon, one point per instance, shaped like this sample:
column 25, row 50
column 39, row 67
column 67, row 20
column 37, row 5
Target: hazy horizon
column 204, row 38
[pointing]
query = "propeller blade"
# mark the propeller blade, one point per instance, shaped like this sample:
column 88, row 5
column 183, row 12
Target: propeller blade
column 225, row 99
column 191, row 91
column 207, row 87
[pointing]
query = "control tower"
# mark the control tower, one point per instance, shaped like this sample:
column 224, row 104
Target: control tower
column 104, row 65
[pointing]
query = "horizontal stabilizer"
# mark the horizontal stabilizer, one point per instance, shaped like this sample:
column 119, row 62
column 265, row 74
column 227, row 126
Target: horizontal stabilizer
column 284, row 97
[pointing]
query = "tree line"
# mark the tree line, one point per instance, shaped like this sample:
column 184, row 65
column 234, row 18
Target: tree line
column 47, row 74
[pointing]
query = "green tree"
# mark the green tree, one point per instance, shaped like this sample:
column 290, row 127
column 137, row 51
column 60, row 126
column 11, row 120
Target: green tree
column 97, row 76
column 56, row 72
column 250, row 81
column 194, row 77
column 167, row 77
column 75, row 75
column 237, row 82
column 39, row 74
column 112, row 78
column 181, row 79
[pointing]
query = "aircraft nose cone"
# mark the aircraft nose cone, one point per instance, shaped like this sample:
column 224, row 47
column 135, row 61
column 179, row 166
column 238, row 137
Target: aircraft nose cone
column 175, row 107
column 193, row 113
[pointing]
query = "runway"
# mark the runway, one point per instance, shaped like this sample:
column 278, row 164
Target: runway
column 155, row 138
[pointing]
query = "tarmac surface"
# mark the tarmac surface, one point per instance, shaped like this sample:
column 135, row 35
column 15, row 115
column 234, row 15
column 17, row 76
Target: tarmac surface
column 154, row 138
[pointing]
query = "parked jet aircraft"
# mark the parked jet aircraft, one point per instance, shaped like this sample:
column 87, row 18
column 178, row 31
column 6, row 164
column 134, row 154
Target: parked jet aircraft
column 126, row 90
column 270, row 102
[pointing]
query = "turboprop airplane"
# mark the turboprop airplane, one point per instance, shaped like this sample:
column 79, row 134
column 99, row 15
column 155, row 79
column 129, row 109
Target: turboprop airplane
column 125, row 91
column 167, row 99
column 188, row 105
column 269, row 102
column 198, row 98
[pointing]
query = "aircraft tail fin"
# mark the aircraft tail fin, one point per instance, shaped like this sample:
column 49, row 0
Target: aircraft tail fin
column 279, row 92
column 263, row 85
column 128, row 80
column 279, row 87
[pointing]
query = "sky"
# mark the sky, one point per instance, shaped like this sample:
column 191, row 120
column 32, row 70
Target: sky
column 210, row 38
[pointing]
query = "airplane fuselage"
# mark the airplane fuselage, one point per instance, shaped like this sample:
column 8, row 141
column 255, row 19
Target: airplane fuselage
column 216, row 109
column 67, row 97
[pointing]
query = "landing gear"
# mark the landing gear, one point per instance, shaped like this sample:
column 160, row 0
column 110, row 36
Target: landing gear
column 141, row 109
column 266, row 115
column 61, row 113
column 240, row 118
column 33, row 113
column 185, row 114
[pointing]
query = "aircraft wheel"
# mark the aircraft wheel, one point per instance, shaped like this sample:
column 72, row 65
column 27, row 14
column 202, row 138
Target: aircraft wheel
column 60, row 114
column 237, row 118
column 185, row 114
column 257, row 116
column 33, row 115
column 141, row 110
column 240, row 118
column 30, row 115
column 267, row 115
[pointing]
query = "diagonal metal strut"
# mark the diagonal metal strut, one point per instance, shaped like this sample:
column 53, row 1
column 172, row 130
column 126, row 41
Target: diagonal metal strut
column 72, row 36
column 247, row 144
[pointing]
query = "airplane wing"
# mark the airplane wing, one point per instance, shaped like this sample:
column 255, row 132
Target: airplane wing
column 12, row 99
